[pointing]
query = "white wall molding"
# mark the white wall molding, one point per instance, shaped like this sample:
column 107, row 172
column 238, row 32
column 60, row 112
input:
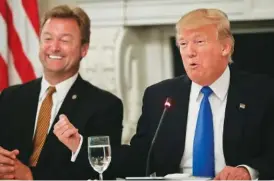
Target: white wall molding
column 129, row 62
column 99, row 66
column 104, row 12
column 155, row 12
column 162, row 12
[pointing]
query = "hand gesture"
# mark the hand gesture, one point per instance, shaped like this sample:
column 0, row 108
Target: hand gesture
column 67, row 133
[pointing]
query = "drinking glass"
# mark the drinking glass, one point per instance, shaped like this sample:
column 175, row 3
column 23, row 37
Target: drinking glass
column 99, row 153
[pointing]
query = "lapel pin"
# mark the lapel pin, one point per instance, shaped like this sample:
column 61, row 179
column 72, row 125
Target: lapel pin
column 242, row 106
column 74, row 96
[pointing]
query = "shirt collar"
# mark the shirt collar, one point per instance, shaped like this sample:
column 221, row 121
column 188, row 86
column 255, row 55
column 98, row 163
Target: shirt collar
column 219, row 87
column 62, row 88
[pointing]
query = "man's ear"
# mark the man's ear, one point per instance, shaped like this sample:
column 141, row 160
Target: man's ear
column 84, row 49
column 225, row 52
column 226, row 48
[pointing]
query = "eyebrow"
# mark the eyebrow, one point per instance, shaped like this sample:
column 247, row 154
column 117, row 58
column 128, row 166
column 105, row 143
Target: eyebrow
column 197, row 35
column 193, row 36
column 46, row 33
column 65, row 34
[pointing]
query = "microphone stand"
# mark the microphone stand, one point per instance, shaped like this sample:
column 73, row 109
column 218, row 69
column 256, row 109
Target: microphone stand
column 167, row 105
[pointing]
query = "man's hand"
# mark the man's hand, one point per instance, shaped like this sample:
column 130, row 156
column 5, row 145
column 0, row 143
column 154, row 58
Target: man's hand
column 22, row 172
column 7, row 163
column 233, row 173
column 67, row 133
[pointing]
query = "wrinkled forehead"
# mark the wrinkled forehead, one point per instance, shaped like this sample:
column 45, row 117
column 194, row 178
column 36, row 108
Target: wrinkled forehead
column 209, row 31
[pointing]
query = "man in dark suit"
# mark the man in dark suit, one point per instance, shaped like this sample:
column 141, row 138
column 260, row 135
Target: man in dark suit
column 241, row 111
column 45, row 123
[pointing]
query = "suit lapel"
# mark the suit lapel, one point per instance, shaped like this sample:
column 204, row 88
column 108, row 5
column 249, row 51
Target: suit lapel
column 29, row 108
column 233, row 123
column 179, row 118
column 174, row 127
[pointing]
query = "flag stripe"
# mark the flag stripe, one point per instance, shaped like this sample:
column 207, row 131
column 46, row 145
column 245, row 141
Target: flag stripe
column 19, row 42
column 3, row 74
column 4, row 38
column 27, row 35
column 3, row 47
column 13, row 75
column 3, row 30
column 3, row 6
column 21, row 62
column 31, row 9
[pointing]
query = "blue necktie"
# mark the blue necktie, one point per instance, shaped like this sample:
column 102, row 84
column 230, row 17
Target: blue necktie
column 203, row 146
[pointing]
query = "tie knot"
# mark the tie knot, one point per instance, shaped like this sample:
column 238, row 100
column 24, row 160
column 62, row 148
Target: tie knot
column 206, row 91
column 51, row 90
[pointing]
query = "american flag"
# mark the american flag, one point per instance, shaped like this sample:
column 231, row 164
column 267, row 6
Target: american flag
column 19, row 43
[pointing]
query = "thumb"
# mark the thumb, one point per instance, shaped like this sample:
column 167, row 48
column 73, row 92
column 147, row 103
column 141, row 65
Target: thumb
column 16, row 152
column 62, row 116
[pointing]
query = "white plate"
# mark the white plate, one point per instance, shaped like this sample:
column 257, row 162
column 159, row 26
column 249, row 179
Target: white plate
column 184, row 176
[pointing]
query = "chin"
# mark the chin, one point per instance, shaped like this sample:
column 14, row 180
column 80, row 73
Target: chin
column 195, row 76
column 197, row 79
column 54, row 69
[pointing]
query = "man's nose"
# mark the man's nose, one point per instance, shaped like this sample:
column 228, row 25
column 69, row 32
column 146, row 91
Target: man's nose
column 55, row 46
column 191, row 50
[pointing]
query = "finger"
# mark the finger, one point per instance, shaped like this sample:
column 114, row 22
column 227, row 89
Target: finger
column 15, row 152
column 63, row 120
column 232, row 176
column 60, row 123
column 64, row 127
column 4, row 169
column 68, row 133
column 237, row 173
column 239, row 178
column 60, row 127
column 4, row 160
column 7, row 153
column 61, row 130
column 217, row 177
column 242, row 176
column 224, row 175
column 7, row 176
column 245, row 174
column 63, row 117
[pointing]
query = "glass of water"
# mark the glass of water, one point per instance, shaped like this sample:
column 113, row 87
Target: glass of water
column 99, row 153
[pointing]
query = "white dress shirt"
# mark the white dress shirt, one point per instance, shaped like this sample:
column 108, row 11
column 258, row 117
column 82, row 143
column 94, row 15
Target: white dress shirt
column 218, row 100
column 58, row 97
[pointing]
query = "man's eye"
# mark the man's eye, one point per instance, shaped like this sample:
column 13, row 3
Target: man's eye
column 200, row 42
column 65, row 40
column 182, row 44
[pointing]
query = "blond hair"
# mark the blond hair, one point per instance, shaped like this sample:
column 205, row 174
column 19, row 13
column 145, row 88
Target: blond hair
column 78, row 14
column 200, row 17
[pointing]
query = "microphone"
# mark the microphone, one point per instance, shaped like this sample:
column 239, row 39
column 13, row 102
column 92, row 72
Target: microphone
column 167, row 105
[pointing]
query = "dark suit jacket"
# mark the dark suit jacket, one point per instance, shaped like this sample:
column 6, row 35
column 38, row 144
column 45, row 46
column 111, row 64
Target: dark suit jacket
column 93, row 112
column 248, row 136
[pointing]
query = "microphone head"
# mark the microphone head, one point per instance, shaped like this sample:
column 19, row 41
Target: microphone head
column 168, row 102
